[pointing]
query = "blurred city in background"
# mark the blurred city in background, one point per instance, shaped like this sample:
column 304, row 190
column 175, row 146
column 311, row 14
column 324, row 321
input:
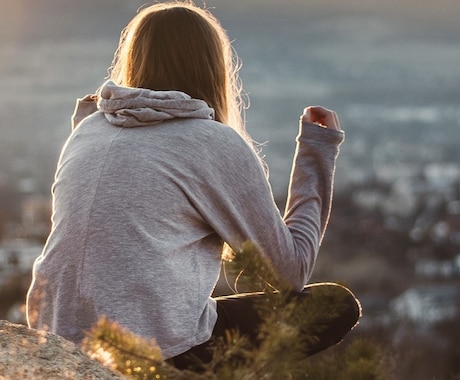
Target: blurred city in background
column 390, row 70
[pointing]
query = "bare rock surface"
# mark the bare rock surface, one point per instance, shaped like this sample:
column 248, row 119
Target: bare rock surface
column 31, row 354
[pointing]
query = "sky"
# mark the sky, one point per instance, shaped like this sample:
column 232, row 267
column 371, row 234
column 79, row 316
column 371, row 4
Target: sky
column 24, row 18
column 341, row 52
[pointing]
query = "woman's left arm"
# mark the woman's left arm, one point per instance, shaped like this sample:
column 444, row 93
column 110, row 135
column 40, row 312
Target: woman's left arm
column 234, row 196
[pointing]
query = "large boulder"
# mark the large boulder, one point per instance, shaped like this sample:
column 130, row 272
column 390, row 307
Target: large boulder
column 31, row 354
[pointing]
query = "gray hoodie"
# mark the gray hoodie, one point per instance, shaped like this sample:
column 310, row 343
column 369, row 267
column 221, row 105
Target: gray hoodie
column 147, row 189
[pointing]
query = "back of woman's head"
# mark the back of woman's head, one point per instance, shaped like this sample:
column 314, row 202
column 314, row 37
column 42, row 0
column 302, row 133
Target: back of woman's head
column 178, row 46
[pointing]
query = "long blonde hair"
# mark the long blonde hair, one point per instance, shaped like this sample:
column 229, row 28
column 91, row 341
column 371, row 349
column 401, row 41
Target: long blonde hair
column 179, row 46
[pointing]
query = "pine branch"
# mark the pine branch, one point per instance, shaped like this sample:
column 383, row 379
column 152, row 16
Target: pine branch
column 289, row 330
column 254, row 271
column 121, row 350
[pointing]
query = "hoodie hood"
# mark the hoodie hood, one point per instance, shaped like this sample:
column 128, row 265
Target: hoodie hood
column 136, row 107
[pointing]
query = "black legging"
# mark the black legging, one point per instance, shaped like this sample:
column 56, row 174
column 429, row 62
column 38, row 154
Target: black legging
column 240, row 312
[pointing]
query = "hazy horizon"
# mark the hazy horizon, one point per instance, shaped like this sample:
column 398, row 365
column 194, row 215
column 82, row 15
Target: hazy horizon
column 385, row 67
column 48, row 18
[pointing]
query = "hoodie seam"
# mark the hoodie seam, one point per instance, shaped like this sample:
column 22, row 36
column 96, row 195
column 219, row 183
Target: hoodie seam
column 92, row 210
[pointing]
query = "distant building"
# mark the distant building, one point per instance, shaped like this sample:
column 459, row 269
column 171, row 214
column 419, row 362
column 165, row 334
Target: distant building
column 36, row 216
column 428, row 304
column 442, row 176
column 434, row 268
column 17, row 257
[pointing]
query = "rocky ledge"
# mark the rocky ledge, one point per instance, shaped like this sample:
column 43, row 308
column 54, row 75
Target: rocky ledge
column 31, row 354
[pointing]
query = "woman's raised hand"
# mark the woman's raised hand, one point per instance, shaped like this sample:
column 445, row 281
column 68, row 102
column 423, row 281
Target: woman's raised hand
column 322, row 116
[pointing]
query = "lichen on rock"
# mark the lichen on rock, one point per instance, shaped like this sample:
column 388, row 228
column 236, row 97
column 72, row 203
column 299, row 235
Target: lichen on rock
column 32, row 354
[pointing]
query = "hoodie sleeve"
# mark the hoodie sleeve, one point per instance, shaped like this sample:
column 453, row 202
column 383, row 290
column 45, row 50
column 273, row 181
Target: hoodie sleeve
column 237, row 201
